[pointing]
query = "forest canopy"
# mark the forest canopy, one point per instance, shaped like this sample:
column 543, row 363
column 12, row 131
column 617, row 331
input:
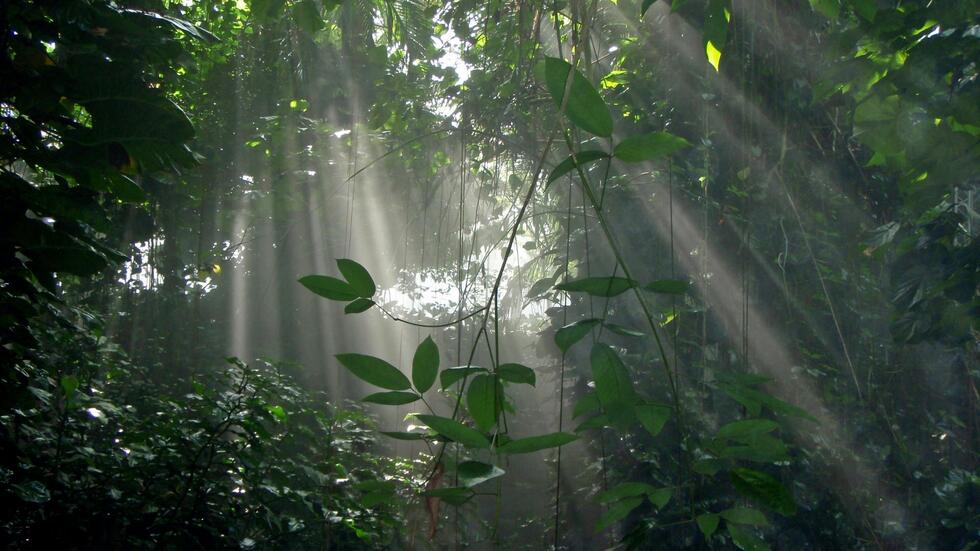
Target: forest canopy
column 516, row 274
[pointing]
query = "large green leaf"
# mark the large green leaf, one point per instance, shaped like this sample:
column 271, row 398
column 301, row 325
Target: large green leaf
column 612, row 379
column 393, row 398
column 742, row 430
column 648, row 147
column 375, row 371
column 668, row 286
column 452, row 374
column 454, row 430
column 745, row 540
column 598, row 286
column 617, row 512
column 760, row 448
column 484, row 398
column 537, row 443
column 764, row 489
column 358, row 306
column 707, row 523
column 626, row 489
column 425, row 365
column 516, row 373
column 472, row 473
column 585, row 107
column 329, row 287
column 743, row 515
column 358, row 277
column 716, row 31
column 569, row 164
column 573, row 332
column 653, row 417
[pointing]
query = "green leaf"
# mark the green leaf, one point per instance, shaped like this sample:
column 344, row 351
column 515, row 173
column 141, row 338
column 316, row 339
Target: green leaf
column 454, row 430
column 537, row 443
column 865, row 8
column 278, row 412
column 425, row 365
column 612, row 379
column 372, row 499
column 585, row 107
column 452, row 496
column 742, row 430
column 472, row 473
column 358, row 277
column 307, row 16
column 660, row 497
column 484, row 397
column 516, row 373
column 32, row 492
column 745, row 540
column 69, row 384
column 828, row 8
column 569, row 164
column 653, row 417
column 375, row 371
column 645, row 6
column 393, row 398
column 329, row 287
column 573, row 332
column 403, row 435
column 764, row 489
column 626, row 489
column 586, row 404
column 598, row 286
column 386, row 486
column 358, row 306
column 743, row 515
column 716, row 31
column 622, row 330
column 617, row 513
column 668, row 286
column 648, row 147
column 452, row 374
column 760, row 448
column 707, row 523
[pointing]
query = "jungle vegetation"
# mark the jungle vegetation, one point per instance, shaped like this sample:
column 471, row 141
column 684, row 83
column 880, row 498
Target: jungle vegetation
column 506, row 274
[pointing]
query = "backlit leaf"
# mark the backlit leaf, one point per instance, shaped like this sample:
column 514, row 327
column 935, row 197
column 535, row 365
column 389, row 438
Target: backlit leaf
column 516, row 373
column 375, row 371
column 612, row 379
column 452, row 374
column 573, row 332
column 425, row 365
column 358, row 277
column 484, row 398
column 329, row 287
column 472, row 473
column 764, row 489
column 454, row 430
column 668, row 286
column 648, row 147
column 358, row 306
column 584, row 107
column 537, row 443
column 394, row 398
column 598, row 286
column 568, row 165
